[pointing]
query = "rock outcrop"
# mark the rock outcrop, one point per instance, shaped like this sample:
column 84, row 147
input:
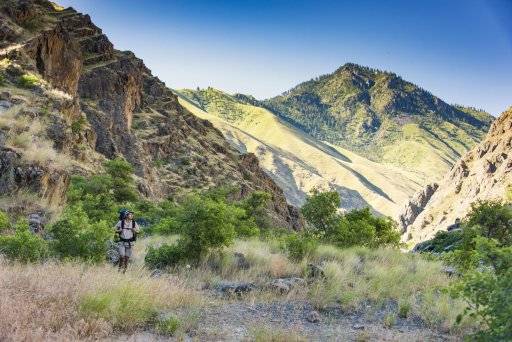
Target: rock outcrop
column 484, row 173
column 113, row 106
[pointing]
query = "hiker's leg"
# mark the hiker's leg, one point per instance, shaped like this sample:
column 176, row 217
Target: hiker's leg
column 127, row 255
column 125, row 263
column 122, row 253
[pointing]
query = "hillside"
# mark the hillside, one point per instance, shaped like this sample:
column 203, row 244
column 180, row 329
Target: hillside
column 298, row 162
column 384, row 118
column 481, row 174
column 69, row 100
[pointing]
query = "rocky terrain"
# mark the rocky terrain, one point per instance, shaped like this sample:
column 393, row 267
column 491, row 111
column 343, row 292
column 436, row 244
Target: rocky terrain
column 76, row 100
column 483, row 173
column 382, row 117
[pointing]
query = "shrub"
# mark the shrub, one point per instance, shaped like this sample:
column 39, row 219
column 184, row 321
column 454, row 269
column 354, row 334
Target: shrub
column 165, row 256
column 74, row 236
column 361, row 228
column 489, row 219
column 205, row 225
column 77, row 125
column 123, row 185
column 168, row 326
column 23, row 246
column 4, row 221
column 299, row 246
column 127, row 307
column 487, row 290
column 28, row 80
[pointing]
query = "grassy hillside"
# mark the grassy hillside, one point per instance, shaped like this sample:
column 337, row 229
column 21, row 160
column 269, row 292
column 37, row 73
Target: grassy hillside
column 298, row 162
column 383, row 117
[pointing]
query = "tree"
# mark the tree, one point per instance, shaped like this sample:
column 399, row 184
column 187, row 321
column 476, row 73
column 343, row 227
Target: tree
column 320, row 210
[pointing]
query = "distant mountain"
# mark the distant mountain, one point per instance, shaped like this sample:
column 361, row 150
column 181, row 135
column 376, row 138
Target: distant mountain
column 298, row 162
column 483, row 173
column 383, row 118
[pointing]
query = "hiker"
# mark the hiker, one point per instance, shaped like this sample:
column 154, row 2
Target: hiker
column 127, row 230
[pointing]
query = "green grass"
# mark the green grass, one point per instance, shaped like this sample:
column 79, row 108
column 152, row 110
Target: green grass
column 127, row 306
column 29, row 80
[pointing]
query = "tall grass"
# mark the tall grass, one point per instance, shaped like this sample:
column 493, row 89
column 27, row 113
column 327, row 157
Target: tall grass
column 71, row 301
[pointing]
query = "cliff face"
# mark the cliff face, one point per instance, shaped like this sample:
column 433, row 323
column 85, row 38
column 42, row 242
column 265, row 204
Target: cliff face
column 109, row 104
column 481, row 174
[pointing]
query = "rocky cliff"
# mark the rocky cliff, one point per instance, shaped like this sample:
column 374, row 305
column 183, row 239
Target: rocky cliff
column 92, row 102
column 483, row 173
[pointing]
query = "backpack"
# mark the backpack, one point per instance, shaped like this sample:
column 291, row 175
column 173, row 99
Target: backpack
column 134, row 237
column 122, row 215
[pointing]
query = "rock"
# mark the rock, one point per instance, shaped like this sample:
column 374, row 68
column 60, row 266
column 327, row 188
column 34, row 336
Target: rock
column 112, row 252
column 4, row 105
column 450, row 271
column 241, row 261
column 315, row 271
column 156, row 274
column 358, row 327
column 238, row 289
column 36, row 222
column 415, row 206
column 482, row 173
column 285, row 285
column 313, row 316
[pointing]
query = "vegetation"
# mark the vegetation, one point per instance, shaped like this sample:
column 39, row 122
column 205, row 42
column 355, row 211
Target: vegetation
column 380, row 115
column 355, row 228
column 23, row 245
column 29, row 80
column 4, row 221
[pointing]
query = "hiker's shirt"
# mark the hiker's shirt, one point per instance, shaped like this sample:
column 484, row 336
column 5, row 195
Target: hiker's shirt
column 127, row 232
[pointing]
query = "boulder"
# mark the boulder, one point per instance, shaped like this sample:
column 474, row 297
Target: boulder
column 285, row 285
column 313, row 316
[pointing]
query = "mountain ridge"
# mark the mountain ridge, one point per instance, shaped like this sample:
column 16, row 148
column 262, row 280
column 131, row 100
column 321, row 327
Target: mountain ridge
column 379, row 115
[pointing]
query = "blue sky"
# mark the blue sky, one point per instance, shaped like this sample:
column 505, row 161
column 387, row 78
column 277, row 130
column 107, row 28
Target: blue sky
column 460, row 50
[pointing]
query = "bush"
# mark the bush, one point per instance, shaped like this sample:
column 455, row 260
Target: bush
column 487, row 290
column 127, row 307
column 205, row 225
column 23, row 246
column 165, row 256
column 299, row 246
column 28, row 80
column 489, row 219
column 4, row 221
column 123, row 186
column 356, row 228
column 77, row 125
column 74, row 236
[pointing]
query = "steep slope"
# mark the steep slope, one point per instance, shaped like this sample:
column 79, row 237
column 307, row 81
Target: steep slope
column 383, row 118
column 481, row 174
column 298, row 162
column 93, row 102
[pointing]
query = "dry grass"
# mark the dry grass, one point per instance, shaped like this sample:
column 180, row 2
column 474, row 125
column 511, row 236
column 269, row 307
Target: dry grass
column 53, row 300
column 26, row 134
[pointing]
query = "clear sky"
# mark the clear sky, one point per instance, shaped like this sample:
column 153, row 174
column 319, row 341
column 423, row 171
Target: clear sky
column 460, row 50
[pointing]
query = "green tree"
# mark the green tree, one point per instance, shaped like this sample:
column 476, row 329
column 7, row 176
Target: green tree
column 123, row 185
column 320, row 210
column 75, row 237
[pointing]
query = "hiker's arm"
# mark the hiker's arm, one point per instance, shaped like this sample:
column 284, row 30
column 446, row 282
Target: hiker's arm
column 136, row 227
column 118, row 226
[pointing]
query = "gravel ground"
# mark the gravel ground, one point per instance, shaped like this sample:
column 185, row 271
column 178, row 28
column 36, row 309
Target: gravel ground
column 238, row 320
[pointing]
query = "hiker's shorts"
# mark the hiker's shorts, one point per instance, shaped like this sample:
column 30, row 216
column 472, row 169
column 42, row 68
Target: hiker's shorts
column 125, row 249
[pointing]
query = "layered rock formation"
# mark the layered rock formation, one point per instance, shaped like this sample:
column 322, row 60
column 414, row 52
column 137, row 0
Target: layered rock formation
column 484, row 173
column 111, row 105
